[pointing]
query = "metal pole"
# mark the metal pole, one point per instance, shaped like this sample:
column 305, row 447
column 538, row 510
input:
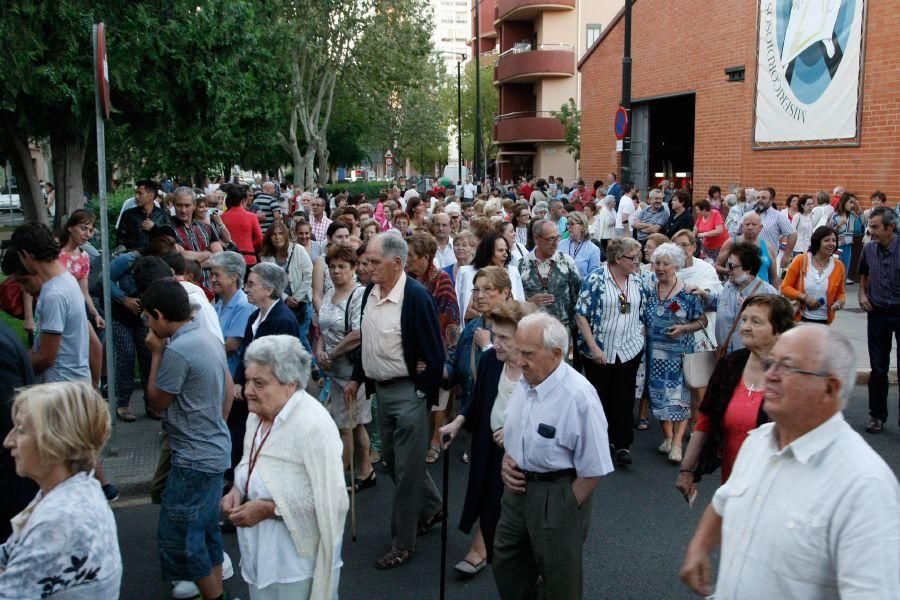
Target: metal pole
column 626, row 95
column 113, row 446
column 476, row 163
column 459, row 122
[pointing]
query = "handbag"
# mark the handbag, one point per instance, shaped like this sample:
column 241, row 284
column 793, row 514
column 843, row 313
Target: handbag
column 797, row 303
column 698, row 366
column 355, row 354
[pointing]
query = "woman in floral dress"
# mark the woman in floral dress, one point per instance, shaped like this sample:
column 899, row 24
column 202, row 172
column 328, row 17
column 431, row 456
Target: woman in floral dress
column 671, row 316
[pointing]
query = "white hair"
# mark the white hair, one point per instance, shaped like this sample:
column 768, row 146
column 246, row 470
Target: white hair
column 553, row 333
column 393, row 244
column 271, row 276
column 671, row 251
column 307, row 196
column 185, row 192
column 284, row 355
column 231, row 263
column 839, row 360
column 731, row 200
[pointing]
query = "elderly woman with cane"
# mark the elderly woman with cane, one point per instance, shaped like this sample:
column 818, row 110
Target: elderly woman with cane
column 289, row 501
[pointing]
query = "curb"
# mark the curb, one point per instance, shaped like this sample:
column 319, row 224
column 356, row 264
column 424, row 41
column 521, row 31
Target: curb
column 863, row 374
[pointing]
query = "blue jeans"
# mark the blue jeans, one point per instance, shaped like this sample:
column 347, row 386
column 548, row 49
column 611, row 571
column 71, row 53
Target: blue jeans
column 846, row 258
column 881, row 328
column 190, row 540
column 304, row 330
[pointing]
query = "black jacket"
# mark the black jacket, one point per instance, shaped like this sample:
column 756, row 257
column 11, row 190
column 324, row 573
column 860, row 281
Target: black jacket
column 676, row 223
column 420, row 335
column 130, row 234
column 279, row 321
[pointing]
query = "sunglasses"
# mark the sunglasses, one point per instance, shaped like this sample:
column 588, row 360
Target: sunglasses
column 731, row 266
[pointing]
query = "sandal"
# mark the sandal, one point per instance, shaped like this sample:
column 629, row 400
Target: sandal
column 124, row 413
column 434, row 453
column 363, row 484
column 643, row 424
column 425, row 526
column 394, row 558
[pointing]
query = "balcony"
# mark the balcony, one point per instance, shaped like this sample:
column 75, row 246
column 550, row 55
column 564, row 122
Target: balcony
column 527, row 10
column 530, row 126
column 523, row 63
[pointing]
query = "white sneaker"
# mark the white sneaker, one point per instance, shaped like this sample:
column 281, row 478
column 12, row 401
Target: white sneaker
column 182, row 590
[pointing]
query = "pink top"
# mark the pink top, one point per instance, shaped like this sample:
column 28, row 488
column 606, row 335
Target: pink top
column 78, row 265
column 704, row 225
column 740, row 417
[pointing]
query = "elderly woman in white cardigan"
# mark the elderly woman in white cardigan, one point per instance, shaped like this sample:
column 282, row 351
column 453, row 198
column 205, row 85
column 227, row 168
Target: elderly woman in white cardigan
column 289, row 501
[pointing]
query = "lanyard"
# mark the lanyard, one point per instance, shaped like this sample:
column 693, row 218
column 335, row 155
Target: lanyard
column 577, row 248
column 255, row 457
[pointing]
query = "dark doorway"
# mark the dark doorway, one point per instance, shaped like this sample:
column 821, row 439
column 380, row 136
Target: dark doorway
column 662, row 142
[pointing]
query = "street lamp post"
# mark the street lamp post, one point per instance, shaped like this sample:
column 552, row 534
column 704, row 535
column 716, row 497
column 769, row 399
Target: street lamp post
column 459, row 181
column 476, row 163
column 626, row 95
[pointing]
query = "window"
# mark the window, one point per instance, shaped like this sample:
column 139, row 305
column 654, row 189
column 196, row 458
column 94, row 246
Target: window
column 593, row 32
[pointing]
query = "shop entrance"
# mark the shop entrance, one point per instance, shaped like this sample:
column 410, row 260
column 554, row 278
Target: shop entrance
column 662, row 141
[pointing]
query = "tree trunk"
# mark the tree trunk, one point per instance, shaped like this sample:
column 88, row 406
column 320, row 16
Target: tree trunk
column 68, row 165
column 29, row 187
column 309, row 165
column 323, row 161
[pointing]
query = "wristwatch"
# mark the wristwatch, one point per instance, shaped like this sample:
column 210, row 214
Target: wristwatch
column 277, row 512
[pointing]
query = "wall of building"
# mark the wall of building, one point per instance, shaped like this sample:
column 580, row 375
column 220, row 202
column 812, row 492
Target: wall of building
column 552, row 159
column 552, row 93
column 685, row 47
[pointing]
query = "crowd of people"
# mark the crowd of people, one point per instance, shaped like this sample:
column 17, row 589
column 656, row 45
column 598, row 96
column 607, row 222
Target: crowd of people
column 296, row 345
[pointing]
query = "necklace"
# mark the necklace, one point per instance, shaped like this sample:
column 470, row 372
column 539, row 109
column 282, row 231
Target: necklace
column 660, row 309
column 624, row 304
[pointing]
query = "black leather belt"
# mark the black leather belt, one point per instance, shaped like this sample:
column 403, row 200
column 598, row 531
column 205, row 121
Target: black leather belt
column 549, row 475
column 394, row 381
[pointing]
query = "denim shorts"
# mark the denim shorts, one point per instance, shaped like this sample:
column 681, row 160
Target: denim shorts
column 190, row 540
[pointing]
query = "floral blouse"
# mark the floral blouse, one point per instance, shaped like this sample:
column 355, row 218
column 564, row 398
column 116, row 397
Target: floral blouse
column 79, row 265
column 63, row 546
column 562, row 280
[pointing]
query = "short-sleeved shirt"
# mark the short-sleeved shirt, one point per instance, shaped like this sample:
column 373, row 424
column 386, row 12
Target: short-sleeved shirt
column 193, row 369
column 567, row 405
column 79, row 265
column 233, row 318
column 60, row 310
column 624, row 211
column 883, row 268
column 332, row 317
column 775, row 225
column 648, row 216
column 196, row 236
column 268, row 205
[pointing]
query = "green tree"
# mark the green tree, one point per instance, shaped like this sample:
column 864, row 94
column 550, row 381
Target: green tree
column 490, row 108
column 569, row 115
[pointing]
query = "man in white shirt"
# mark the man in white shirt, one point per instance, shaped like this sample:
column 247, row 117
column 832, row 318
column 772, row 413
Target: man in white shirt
column 810, row 510
column 624, row 211
column 469, row 190
column 556, row 453
column 440, row 228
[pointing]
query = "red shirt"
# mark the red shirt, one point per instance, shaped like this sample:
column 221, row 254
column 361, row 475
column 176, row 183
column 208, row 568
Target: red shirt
column 245, row 231
column 715, row 219
column 740, row 417
column 526, row 190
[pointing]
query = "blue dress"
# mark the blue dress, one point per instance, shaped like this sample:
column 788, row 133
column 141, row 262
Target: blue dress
column 670, row 398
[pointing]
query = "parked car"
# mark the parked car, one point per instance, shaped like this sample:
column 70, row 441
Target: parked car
column 9, row 200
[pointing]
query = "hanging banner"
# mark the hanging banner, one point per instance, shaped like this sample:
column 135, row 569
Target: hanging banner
column 809, row 66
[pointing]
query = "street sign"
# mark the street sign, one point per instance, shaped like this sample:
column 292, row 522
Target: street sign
column 388, row 154
column 620, row 123
column 102, row 70
column 389, row 161
column 620, row 145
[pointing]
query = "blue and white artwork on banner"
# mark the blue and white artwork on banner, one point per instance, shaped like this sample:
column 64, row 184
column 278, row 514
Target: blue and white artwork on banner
column 808, row 74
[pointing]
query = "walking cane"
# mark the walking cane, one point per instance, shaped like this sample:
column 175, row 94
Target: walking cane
column 352, row 474
column 446, row 479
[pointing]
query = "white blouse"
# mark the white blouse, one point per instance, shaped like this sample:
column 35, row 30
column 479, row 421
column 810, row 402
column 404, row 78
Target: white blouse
column 505, row 389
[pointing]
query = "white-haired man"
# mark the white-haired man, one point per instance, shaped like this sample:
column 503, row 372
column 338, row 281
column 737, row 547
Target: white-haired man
column 810, row 510
column 556, row 452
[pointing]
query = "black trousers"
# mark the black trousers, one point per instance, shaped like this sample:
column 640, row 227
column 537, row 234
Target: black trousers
column 615, row 383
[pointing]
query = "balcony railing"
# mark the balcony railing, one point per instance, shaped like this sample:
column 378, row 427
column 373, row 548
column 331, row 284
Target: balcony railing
column 524, row 62
column 528, row 10
column 528, row 126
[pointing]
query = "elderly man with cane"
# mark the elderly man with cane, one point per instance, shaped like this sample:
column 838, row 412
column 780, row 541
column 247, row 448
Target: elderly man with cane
column 556, row 452
column 810, row 510
column 402, row 353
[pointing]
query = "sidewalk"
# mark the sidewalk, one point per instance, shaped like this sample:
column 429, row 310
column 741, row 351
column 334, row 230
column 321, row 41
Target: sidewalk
column 132, row 453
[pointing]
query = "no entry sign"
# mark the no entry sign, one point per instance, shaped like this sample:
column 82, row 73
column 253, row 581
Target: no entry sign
column 620, row 123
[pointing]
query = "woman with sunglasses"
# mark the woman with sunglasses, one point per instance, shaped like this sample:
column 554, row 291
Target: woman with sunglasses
column 609, row 319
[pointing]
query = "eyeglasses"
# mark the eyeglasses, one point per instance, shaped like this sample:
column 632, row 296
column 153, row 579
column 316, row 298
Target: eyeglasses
column 731, row 266
column 634, row 258
column 779, row 368
column 552, row 239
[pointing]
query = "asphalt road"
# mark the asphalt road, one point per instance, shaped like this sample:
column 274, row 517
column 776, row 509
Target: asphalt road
column 640, row 529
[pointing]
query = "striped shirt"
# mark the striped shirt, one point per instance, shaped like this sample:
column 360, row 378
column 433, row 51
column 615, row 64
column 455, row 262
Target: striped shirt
column 617, row 331
column 775, row 225
column 882, row 265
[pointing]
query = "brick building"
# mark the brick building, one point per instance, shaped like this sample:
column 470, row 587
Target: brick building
column 693, row 113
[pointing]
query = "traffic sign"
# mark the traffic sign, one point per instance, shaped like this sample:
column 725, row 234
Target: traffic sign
column 102, row 70
column 620, row 124
column 388, row 161
column 388, row 154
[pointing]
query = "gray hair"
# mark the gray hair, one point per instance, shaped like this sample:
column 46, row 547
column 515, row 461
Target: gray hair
column 617, row 248
column 272, row 277
column 393, row 245
column 671, row 251
column 553, row 333
column 284, row 355
column 185, row 192
column 307, row 196
column 231, row 263
column 840, row 361
column 655, row 192
column 731, row 200
column 888, row 216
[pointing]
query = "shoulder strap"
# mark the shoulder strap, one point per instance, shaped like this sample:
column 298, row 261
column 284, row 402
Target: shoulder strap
column 347, row 310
